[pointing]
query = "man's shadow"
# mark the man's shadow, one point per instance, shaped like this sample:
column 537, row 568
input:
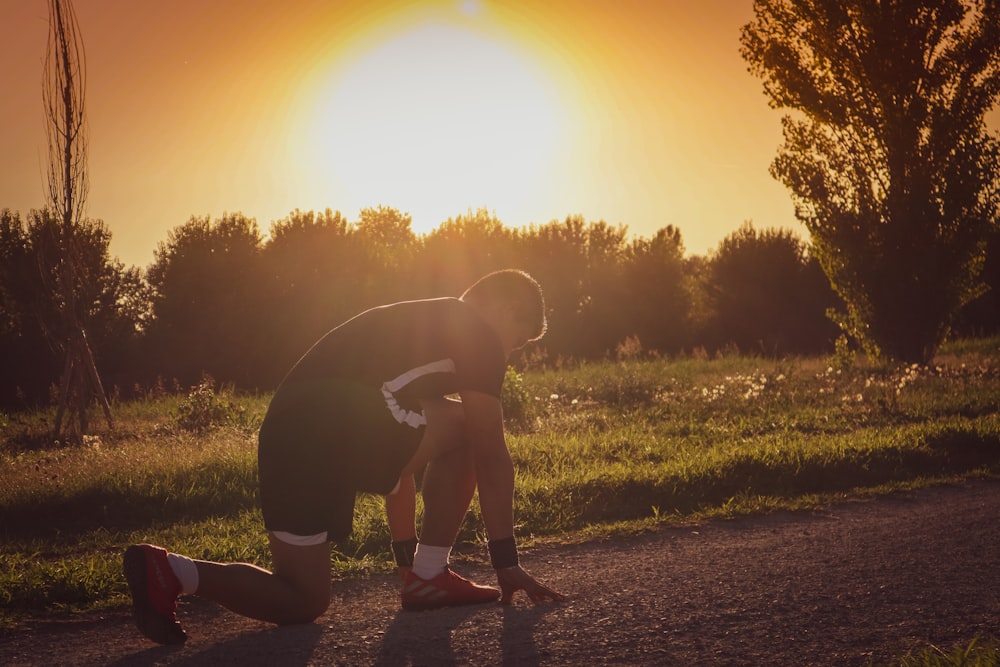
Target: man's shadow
column 289, row 645
column 423, row 637
column 280, row 645
column 426, row 638
column 518, row 645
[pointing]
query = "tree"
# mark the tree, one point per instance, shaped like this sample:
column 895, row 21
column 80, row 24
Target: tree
column 606, row 299
column 387, row 243
column 889, row 162
column 556, row 255
column 982, row 316
column 206, row 281
column 63, row 93
column 461, row 250
column 29, row 366
column 311, row 268
column 659, row 299
column 768, row 296
column 111, row 303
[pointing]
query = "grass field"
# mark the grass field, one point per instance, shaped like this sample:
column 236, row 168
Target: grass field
column 600, row 448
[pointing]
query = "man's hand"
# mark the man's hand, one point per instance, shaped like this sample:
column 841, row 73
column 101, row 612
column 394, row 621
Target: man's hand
column 513, row 579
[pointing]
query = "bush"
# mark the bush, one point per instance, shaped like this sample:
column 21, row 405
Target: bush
column 519, row 411
column 203, row 410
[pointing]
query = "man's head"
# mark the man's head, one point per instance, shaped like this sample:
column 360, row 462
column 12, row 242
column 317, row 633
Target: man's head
column 513, row 303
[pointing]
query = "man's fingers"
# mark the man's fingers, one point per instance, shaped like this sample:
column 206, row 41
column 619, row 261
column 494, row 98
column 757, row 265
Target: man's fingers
column 511, row 583
column 544, row 593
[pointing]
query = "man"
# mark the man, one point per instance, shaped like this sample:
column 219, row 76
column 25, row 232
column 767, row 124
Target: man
column 363, row 410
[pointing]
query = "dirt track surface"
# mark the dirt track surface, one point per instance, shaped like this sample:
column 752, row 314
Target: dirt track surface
column 847, row 585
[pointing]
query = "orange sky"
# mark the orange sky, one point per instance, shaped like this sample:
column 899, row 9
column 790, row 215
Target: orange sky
column 634, row 112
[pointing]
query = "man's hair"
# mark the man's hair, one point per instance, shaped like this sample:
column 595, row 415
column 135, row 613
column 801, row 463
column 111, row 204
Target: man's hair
column 514, row 287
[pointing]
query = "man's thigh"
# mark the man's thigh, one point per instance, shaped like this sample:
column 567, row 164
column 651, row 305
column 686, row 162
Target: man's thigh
column 304, row 568
column 444, row 432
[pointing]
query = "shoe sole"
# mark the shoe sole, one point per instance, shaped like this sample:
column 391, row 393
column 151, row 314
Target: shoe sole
column 424, row 605
column 427, row 606
column 150, row 623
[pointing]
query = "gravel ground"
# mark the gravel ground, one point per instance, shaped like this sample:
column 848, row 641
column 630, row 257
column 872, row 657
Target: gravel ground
column 851, row 584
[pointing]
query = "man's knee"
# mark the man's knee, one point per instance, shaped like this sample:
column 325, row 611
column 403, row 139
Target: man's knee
column 305, row 571
column 312, row 605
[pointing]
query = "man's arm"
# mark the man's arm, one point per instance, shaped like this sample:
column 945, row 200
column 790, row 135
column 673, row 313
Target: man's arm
column 495, row 480
column 494, row 468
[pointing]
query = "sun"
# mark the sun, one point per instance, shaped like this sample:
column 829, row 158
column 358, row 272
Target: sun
column 433, row 120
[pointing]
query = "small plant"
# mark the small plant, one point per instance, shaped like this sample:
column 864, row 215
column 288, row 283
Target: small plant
column 630, row 348
column 518, row 408
column 205, row 410
column 843, row 355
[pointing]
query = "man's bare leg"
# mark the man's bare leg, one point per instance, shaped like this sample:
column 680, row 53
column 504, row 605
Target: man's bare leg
column 449, row 483
column 401, row 509
column 296, row 591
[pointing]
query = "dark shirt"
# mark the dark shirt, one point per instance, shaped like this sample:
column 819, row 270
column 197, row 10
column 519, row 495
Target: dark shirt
column 409, row 350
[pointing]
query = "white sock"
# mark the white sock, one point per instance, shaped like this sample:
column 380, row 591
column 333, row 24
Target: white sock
column 429, row 562
column 186, row 572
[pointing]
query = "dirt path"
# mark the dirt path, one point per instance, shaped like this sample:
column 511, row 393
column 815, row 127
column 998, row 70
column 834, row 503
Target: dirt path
column 842, row 586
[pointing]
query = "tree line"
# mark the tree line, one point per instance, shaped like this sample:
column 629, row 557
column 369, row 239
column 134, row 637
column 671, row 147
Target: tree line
column 222, row 299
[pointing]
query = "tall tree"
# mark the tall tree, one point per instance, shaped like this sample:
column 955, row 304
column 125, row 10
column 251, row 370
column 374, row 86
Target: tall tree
column 387, row 242
column 768, row 295
column 312, row 264
column 463, row 248
column 889, row 162
column 63, row 93
column 111, row 304
column 25, row 351
column 556, row 255
column 659, row 298
column 206, row 281
column 606, row 300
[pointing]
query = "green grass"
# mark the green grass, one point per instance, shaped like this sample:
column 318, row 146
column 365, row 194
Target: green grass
column 974, row 654
column 600, row 448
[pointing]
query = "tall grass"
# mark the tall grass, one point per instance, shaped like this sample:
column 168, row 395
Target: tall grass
column 599, row 447
column 976, row 653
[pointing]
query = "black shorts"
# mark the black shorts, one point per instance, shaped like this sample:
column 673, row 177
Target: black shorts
column 321, row 444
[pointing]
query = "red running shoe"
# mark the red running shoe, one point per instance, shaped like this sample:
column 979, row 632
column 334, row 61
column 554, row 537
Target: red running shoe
column 154, row 588
column 445, row 590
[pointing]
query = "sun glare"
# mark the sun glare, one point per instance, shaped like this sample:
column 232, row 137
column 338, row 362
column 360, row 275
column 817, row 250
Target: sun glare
column 433, row 121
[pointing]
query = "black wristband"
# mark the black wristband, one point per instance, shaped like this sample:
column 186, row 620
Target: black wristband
column 503, row 553
column 403, row 551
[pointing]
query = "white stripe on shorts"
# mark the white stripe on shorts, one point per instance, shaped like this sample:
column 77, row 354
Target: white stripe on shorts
column 300, row 540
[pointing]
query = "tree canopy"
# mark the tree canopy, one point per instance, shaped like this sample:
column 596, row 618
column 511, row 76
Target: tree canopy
column 888, row 157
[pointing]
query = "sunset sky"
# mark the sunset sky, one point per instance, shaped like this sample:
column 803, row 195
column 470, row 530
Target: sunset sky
column 634, row 112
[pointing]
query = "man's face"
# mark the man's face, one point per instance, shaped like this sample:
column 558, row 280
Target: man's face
column 514, row 332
